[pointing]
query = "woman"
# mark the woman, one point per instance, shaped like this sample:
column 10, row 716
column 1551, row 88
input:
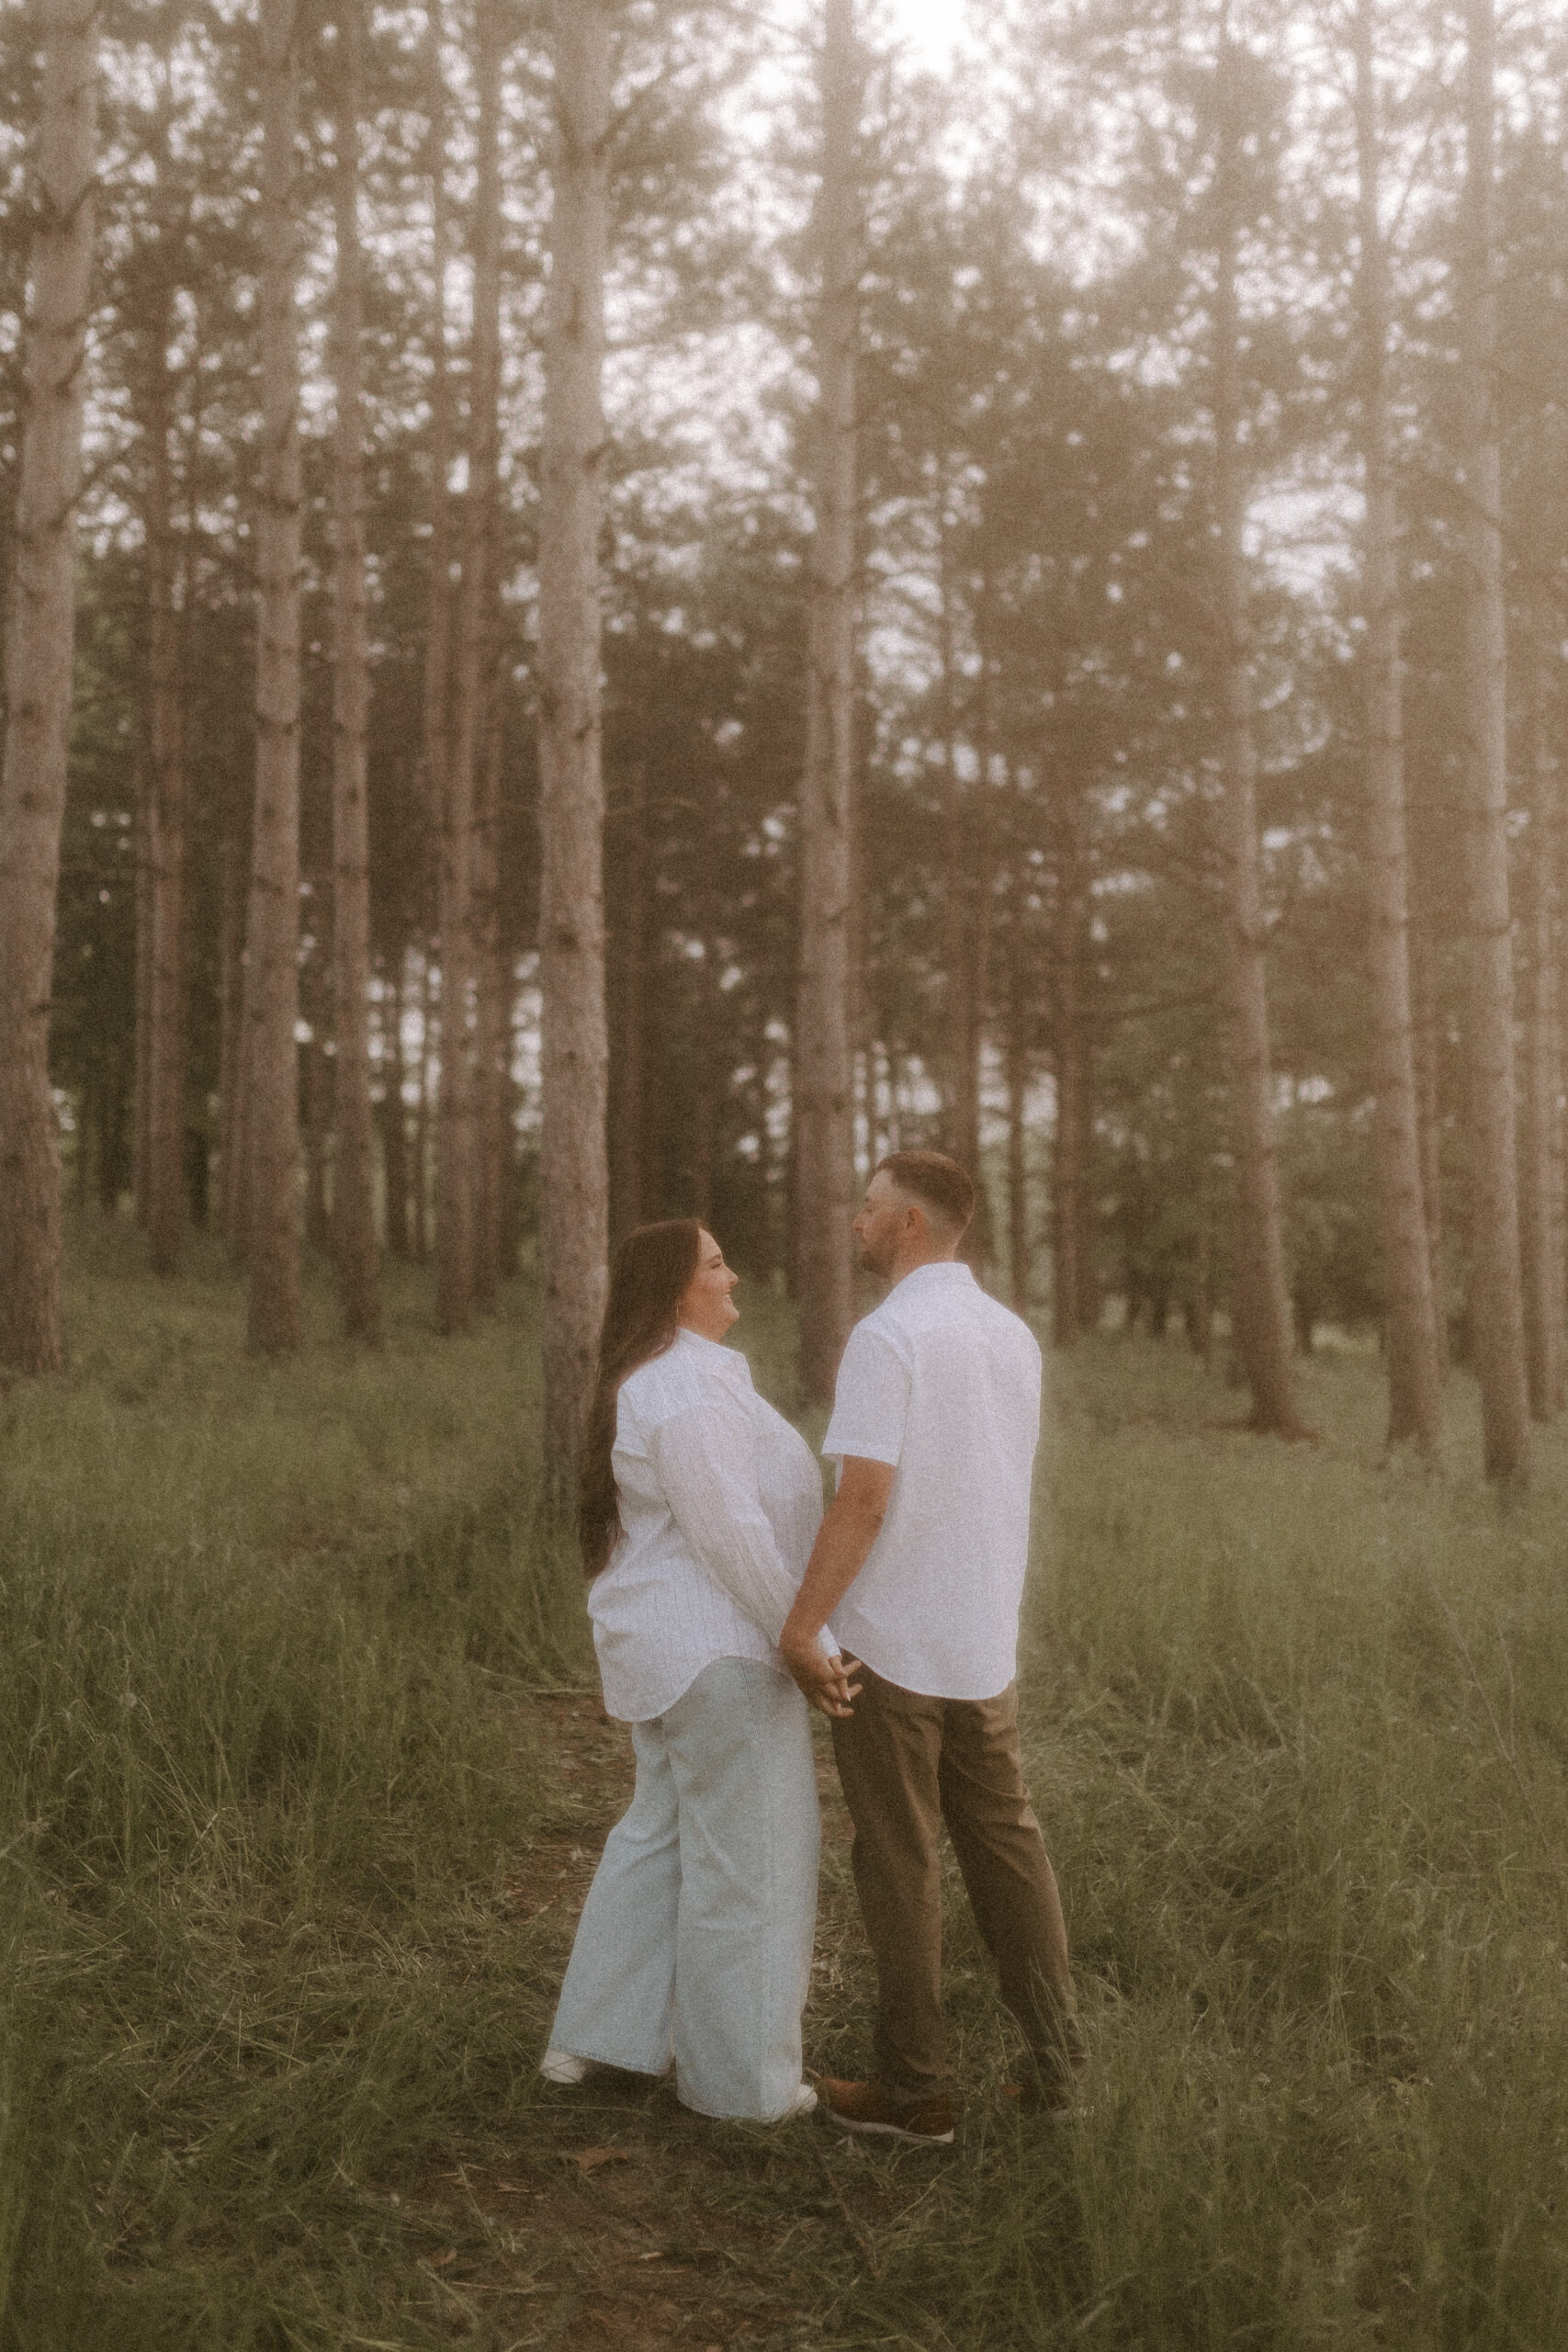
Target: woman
column 697, row 1510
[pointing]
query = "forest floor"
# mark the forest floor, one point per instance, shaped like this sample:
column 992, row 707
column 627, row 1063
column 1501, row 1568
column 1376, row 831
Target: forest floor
column 303, row 1775
column 641, row 2225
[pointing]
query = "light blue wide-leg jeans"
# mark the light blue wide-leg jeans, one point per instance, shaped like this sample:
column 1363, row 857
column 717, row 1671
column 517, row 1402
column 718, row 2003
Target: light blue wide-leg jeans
column 696, row 1936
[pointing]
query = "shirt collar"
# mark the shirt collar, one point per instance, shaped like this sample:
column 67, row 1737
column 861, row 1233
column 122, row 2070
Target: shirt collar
column 940, row 1270
column 731, row 1359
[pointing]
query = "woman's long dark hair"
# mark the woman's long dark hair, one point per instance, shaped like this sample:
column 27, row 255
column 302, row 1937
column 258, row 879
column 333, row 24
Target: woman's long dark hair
column 647, row 1274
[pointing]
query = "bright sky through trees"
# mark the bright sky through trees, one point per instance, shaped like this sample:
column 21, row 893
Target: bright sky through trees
column 931, row 28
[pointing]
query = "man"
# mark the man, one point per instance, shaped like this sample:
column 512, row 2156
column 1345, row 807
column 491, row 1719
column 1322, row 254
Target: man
column 920, row 1566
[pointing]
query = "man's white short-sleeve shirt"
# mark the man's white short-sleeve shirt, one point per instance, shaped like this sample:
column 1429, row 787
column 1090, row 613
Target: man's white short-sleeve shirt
column 944, row 1384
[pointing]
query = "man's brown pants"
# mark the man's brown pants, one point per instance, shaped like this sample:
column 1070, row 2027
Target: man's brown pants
column 908, row 1763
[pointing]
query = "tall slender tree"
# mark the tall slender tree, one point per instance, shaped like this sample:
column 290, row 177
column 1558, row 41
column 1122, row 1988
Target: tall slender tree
column 39, row 647
column 1414, row 1370
column 272, row 929
column 1261, row 1306
column 353, row 1202
column 1069, row 1283
column 573, row 1207
column 822, row 1072
column 163, row 1014
column 1496, row 1293
column 469, row 734
column 1541, row 1126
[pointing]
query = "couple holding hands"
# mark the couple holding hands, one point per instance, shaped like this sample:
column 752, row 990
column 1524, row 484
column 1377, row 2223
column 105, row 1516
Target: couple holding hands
column 724, row 1600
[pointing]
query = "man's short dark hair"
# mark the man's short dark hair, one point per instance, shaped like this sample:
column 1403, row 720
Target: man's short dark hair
column 937, row 1183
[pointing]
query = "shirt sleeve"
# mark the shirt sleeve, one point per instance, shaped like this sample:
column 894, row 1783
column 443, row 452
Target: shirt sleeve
column 871, row 1400
column 706, row 1460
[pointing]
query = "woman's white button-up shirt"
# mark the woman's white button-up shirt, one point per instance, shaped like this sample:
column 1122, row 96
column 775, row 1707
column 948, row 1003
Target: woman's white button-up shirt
column 720, row 1500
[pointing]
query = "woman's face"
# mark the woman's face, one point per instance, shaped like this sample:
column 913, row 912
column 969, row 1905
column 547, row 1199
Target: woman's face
column 706, row 1306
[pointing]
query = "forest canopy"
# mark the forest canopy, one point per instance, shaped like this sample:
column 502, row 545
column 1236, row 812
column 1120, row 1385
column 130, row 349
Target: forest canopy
column 828, row 605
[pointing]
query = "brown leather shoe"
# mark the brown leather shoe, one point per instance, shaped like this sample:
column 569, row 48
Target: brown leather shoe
column 865, row 2107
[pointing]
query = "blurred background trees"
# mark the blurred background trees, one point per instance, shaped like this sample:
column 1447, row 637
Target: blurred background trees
column 1032, row 517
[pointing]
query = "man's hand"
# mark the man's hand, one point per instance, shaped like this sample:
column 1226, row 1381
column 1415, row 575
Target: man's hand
column 848, row 1530
column 825, row 1680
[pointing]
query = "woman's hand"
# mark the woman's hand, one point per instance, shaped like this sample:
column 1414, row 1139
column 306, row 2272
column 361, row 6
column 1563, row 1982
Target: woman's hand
column 825, row 1680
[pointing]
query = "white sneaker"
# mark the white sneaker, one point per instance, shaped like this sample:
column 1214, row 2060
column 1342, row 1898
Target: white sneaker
column 564, row 2066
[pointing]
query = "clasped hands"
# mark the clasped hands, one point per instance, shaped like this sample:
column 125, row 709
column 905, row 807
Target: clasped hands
column 824, row 1680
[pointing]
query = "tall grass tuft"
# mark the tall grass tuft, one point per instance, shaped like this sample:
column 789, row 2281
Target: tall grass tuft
column 264, row 1770
column 1317, row 1895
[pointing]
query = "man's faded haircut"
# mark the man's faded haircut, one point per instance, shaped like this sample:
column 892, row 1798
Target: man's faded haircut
column 942, row 1187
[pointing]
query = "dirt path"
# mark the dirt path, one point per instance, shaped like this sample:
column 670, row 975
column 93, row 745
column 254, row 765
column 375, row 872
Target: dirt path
column 623, row 2223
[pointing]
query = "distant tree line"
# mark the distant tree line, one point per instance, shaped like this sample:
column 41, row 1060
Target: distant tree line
column 626, row 665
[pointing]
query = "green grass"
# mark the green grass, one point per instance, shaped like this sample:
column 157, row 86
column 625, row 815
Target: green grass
column 268, row 1765
column 264, row 1763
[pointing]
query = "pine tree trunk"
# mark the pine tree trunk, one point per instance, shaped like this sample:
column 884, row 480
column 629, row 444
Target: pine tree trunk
column 961, row 1124
column 455, row 1118
column 436, row 715
column 1018, row 1252
column 1496, row 1295
column 1089, row 1302
column 1066, row 1155
column 165, row 1196
column 316, row 1091
column 146, row 828
column 1261, row 1305
column 979, row 1241
column 574, row 1208
column 1540, row 1155
column 438, row 619
column 510, row 1247
column 230, row 1042
column 821, row 1076
column 354, row 1175
column 1429, row 1102
column 456, row 1166
column 491, row 1023
column 394, row 1115
column 272, row 929
column 1415, row 1376
column 427, row 1039
column 628, row 1118
column 38, row 644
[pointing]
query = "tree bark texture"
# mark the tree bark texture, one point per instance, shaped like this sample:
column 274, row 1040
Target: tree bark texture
column 354, row 1198
column 316, row 1076
column 493, row 1024
column 455, row 1131
column 1415, row 1375
column 141, row 1151
column 573, row 1229
column 1018, row 1252
column 824, row 1173
column 164, row 1166
column 272, row 931
column 1261, row 1303
column 427, row 1030
column 394, row 1115
column 1497, row 1290
column 1541, row 1140
column 1066, row 1156
column 628, row 1119
column 230, row 1040
column 439, row 620
column 962, row 1123
column 40, row 641
column 1429, row 1109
